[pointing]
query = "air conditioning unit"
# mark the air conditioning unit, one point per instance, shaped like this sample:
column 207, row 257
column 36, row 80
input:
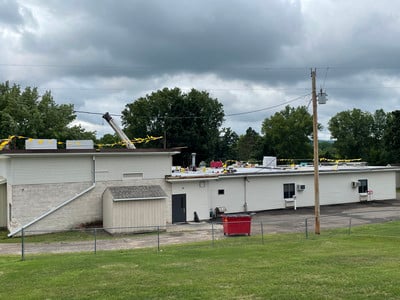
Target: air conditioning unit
column 220, row 210
column 355, row 184
column 301, row 187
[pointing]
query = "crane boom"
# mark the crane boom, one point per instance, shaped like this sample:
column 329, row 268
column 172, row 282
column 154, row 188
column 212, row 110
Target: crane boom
column 118, row 131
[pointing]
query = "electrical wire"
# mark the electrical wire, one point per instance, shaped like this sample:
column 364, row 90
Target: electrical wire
column 227, row 115
column 326, row 74
column 267, row 108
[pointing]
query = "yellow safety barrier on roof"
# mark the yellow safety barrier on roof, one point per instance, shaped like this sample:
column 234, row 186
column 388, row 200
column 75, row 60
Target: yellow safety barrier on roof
column 5, row 142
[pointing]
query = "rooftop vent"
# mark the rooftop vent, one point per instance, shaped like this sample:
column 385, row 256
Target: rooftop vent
column 80, row 144
column 41, row 144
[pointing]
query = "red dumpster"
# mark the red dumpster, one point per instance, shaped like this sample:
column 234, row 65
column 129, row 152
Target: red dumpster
column 239, row 224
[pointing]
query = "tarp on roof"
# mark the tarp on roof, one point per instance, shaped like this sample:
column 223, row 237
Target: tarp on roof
column 2, row 180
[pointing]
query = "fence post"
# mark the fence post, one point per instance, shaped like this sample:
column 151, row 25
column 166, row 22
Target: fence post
column 262, row 232
column 22, row 244
column 306, row 223
column 212, row 232
column 158, row 238
column 349, row 225
column 95, row 240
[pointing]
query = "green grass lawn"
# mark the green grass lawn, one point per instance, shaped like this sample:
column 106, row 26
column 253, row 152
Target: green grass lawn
column 363, row 265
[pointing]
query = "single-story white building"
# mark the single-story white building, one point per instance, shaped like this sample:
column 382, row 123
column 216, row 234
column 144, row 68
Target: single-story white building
column 44, row 190
column 257, row 189
column 62, row 189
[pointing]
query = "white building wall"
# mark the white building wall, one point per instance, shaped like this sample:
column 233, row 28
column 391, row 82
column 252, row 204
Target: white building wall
column 3, row 205
column 37, row 184
column 265, row 192
column 4, row 166
column 130, row 167
column 84, row 210
column 232, row 197
column 197, row 198
column 107, row 209
column 60, row 169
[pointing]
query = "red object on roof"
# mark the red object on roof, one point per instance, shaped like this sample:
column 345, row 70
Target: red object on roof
column 216, row 164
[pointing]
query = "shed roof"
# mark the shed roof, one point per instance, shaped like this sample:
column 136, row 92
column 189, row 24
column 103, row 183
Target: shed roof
column 137, row 192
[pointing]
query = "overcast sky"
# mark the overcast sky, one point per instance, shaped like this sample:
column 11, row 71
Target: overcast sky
column 252, row 55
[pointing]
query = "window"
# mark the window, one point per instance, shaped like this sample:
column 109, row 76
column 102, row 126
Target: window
column 221, row 192
column 288, row 190
column 363, row 186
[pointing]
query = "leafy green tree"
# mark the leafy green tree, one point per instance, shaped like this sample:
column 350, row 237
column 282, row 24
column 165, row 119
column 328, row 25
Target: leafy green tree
column 227, row 145
column 26, row 113
column 250, row 146
column 378, row 154
column 360, row 134
column 327, row 150
column 392, row 136
column 109, row 139
column 287, row 133
column 189, row 120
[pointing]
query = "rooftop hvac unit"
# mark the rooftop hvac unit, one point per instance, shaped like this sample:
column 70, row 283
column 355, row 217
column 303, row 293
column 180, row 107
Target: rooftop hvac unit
column 301, row 187
column 355, row 184
column 41, row 144
column 269, row 162
column 80, row 144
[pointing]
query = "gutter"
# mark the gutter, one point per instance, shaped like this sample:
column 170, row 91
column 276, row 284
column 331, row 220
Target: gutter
column 139, row 199
column 59, row 206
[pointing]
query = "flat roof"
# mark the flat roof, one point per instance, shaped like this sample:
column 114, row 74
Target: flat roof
column 215, row 173
column 102, row 151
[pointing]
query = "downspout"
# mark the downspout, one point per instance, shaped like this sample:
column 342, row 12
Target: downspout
column 62, row 204
column 245, row 194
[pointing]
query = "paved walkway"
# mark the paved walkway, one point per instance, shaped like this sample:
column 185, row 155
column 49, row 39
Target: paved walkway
column 277, row 221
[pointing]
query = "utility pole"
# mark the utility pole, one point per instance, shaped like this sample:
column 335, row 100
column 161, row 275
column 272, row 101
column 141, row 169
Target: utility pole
column 316, row 155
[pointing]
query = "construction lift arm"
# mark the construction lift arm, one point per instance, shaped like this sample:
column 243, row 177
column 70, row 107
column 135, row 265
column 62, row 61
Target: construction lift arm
column 118, row 131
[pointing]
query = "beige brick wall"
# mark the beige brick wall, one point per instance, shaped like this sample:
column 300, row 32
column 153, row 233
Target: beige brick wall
column 32, row 201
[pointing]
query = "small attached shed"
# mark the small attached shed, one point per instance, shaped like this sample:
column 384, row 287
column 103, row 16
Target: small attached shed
column 134, row 208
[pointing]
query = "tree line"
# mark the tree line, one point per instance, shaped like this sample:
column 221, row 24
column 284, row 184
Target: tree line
column 193, row 122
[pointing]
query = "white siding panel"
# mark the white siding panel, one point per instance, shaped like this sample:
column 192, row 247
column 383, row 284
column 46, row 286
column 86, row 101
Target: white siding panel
column 266, row 192
column 34, row 170
column 138, row 215
column 114, row 167
column 107, row 209
column 3, row 205
column 233, row 197
column 4, row 164
column 196, row 198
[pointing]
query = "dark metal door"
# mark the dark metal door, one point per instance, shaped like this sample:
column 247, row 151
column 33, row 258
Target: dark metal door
column 178, row 208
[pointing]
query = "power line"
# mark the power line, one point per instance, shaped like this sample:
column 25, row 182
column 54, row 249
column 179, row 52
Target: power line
column 268, row 108
column 326, row 74
column 243, row 67
column 195, row 117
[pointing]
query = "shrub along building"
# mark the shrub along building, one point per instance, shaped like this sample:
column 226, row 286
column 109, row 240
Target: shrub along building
column 44, row 190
